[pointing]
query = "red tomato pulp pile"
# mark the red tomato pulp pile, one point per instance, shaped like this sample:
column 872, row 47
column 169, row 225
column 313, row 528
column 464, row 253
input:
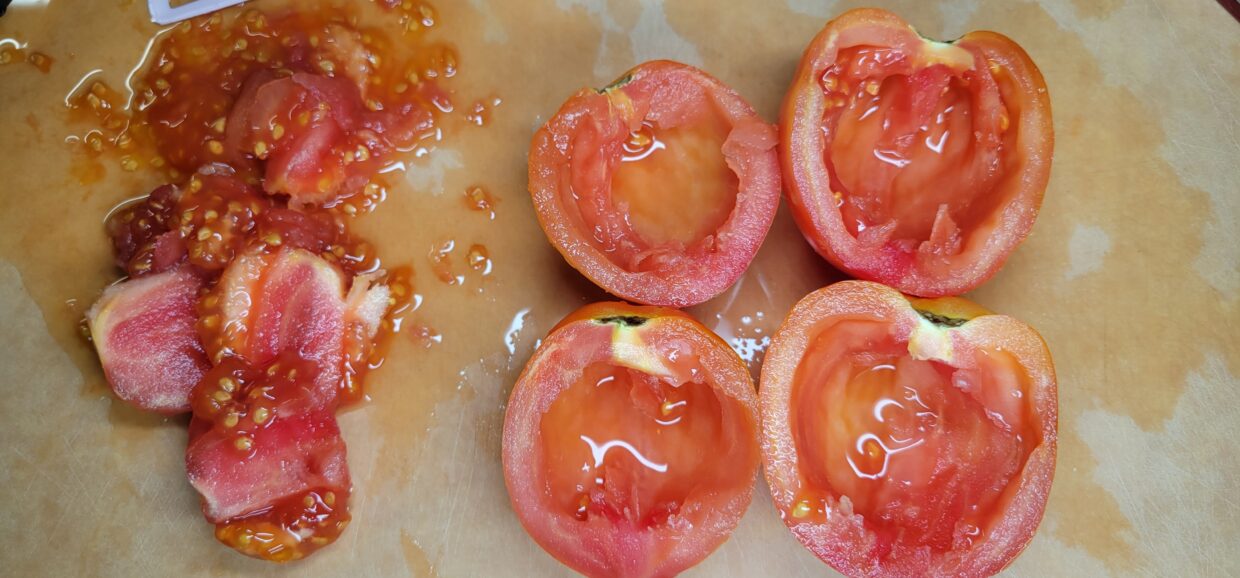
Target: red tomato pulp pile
column 901, row 436
column 248, row 303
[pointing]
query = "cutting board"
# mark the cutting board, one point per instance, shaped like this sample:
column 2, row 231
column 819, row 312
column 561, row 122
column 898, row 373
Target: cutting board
column 1132, row 274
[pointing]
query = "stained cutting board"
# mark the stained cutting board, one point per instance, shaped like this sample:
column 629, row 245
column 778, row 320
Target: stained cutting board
column 1132, row 274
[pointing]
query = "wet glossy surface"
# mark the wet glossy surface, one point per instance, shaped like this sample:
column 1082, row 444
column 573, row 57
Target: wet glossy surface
column 898, row 163
column 884, row 429
column 675, row 182
column 1130, row 274
column 625, row 445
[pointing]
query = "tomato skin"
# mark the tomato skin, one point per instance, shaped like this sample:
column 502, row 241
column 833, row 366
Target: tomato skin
column 594, row 123
column 615, row 547
column 1025, row 167
column 963, row 331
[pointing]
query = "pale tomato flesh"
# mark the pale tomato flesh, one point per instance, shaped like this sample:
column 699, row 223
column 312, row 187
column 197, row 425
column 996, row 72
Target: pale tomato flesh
column 920, row 449
column 629, row 446
column 915, row 152
column 673, row 184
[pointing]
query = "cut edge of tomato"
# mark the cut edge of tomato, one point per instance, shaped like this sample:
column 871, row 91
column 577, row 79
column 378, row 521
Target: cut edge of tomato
column 841, row 541
column 585, row 548
column 156, row 376
column 759, row 185
column 992, row 240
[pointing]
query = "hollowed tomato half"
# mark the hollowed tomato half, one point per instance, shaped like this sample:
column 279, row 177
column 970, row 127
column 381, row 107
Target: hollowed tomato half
column 630, row 441
column 659, row 188
column 907, row 437
column 915, row 163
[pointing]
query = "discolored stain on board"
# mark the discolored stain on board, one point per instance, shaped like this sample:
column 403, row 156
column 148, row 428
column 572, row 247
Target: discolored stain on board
column 1096, row 8
column 1146, row 329
column 415, row 558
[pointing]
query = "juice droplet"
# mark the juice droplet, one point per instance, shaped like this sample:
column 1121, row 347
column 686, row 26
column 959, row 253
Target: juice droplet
column 641, row 143
column 479, row 259
column 441, row 263
column 425, row 337
column 479, row 199
column 480, row 113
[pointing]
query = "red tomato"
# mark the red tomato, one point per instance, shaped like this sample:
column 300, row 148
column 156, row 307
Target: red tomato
column 268, row 462
column 267, row 304
column 144, row 235
column 911, row 162
column 630, row 441
column 908, row 437
column 314, row 133
column 143, row 330
column 218, row 211
column 660, row 188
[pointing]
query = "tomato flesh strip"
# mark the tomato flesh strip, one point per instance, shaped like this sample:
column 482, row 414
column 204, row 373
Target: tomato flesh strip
column 672, row 184
column 629, row 446
column 914, row 152
column 923, row 451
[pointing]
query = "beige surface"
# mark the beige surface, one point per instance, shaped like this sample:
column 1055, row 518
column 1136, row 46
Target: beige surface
column 1132, row 274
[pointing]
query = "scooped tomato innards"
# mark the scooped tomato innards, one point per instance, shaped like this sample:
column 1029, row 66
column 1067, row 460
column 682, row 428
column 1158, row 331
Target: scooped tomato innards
column 249, row 303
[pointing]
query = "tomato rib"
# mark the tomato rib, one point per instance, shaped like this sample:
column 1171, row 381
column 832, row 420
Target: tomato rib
column 911, row 162
column 606, row 437
column 659, row 188
column 907, row 437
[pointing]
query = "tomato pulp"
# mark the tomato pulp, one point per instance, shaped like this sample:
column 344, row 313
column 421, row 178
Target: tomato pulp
column 660, row 188
column 915, row 163
column 250, row 302
column 630, row 441
column 908, row 437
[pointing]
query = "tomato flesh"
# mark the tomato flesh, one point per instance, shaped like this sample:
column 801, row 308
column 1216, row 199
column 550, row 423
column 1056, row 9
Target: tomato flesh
column 915, row 163
column 627, row 446
column 904, row 439
column 303, row 98
column 673, row 184
column 660, row 188
column 630, row 442
column 143, row 330
column 910, row 162
column 268, row 458
column 293, row 527
column 250, row 302
column 908, row 437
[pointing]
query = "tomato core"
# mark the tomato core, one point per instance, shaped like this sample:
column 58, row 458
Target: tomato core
column 925, row 452
column 629, row 446
column 913, row 153
column 673, row 184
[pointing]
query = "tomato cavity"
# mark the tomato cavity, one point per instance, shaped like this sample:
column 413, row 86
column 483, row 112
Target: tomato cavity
column 672, row 184
column 923, row 451
column 627, row 446
column 670, row 189
column 660, row 188
column 914, row 153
